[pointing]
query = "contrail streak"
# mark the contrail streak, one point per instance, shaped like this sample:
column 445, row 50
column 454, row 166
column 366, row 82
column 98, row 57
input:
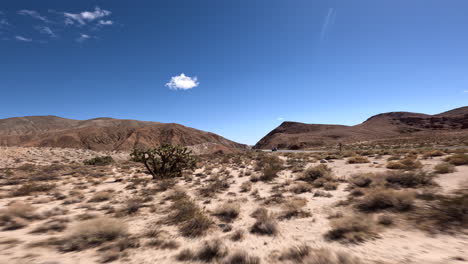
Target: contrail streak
column 327, row 23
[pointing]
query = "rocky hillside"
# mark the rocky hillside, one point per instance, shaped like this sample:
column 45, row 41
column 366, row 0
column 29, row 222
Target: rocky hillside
column 106, row 134
column 293, row 135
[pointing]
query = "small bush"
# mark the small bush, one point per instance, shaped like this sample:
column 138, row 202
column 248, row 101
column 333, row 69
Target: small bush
column 362, row 180
column 378, row 200
column 265, row 223
column 228, row 211
column 94, row 232
column 458, row 159
column 433, row 153
column 293, row 209
column 192, row 221
column 241, row 257
column 409, row 179
column 100, row 197
column 246, row 186
column 404, row 164
column 446, row 213
column 211, row 250
column 313, row 173
column 305, row 254
column 237, row 235
column 16, row 216
column 99, row 161
column 358, row 160
column 300, row 187
column 444, row 167
column 270, row 166
column 352, row 229
column 30, row 188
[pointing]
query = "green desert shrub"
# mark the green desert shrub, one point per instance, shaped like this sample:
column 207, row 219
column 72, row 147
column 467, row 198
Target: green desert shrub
column 165, row 161
column 409, row 179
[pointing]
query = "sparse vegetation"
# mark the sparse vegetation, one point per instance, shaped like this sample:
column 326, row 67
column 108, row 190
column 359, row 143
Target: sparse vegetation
column 404, row 164
column 444, row 167
column 458, row 159
column 99, row 161
column 381, row 199
column 358, row 160
column 265, row 223
column 352, row 229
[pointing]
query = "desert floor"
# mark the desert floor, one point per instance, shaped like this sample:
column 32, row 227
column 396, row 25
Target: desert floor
column 52, row 209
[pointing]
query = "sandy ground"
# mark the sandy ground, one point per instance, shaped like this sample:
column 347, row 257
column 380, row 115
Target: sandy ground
column 402, row 243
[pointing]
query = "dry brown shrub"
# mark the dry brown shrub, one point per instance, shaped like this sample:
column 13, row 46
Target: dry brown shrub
column 444, row 167
column 352, row 229
column 357, row 160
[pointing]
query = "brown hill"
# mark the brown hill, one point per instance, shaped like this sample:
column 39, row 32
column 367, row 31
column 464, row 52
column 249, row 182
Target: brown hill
column 106, row 134
column 293, row 135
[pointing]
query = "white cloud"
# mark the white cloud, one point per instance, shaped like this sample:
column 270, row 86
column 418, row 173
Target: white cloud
column 280, row 118
column 466, row 91
column 23, row 39
column 182, row 82
column 83, row 37
column 33, row 14
column 86, row 16
column 327, row 23
column 106, row 22
column 46, row 30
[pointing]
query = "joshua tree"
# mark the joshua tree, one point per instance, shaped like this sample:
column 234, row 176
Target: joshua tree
column 165, row 161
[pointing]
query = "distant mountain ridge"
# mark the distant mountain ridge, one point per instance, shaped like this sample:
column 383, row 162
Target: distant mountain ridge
column 295, row 135
column 106, row 134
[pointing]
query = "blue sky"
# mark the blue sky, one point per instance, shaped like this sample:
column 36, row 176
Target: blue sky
column 257, row 62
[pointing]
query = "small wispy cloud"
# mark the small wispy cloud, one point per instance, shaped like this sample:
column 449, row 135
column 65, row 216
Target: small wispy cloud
column 23, row 39
column 182, row 82
column 106, row 22
column 327, row 23
column 86, row 16
column 83, row 38
column 33, row 14
column 46, row 30
column 466, row 91
column 280, row 118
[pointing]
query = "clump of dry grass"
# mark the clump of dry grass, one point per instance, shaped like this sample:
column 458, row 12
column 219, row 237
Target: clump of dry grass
column 246, row 186
column 100, row 197
column 294, row 209
column 409, row 179
column 32, row 187
column 433, row 153
column 228, row 211
column 211, row 189
column 191, row 219
column 352, row 229
column 382, row 199
column 305, row 254
column 444, row 167
column 445, row 213
column 265, row 223
column 237, row 235
column 404, row 164
column 94, row 232
column 358, row 160
column 241, row 257
column 270, row 166
column 362, row 180
column 16, row 216
column 300, row 187
column 52, row 225
column 458, row 159
column 209, row 251
column 314, row 173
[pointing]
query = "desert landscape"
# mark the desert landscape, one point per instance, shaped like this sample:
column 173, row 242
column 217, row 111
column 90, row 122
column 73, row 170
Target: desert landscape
column 367, row 203
column 233, row 132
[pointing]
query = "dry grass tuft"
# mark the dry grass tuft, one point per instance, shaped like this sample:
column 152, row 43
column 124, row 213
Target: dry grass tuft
column 192, row 221
column 315, row 173
column 381, row 199
column 228, row 211
column 458, row 159
column 241, row 257
column 265, row 223
column 352, row 229
column 16, row 216
column 305, row 254
column 94, row 232
column 358, row 160
column 444, row 167
column 404, row 164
